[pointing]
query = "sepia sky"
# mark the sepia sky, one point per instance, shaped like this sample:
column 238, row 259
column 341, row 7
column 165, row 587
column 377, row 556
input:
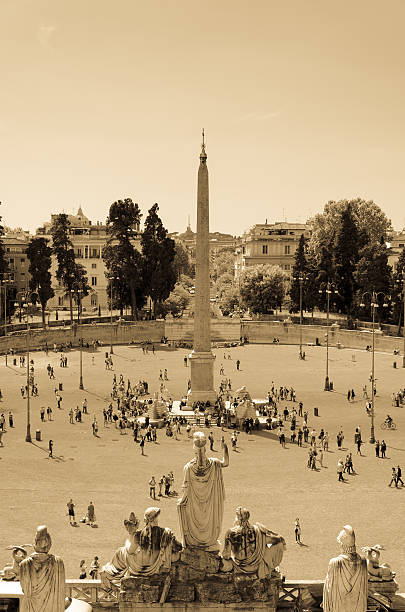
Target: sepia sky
column 302, row 101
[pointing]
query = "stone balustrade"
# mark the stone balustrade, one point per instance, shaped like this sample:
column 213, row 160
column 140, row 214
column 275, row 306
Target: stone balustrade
column 296, row 595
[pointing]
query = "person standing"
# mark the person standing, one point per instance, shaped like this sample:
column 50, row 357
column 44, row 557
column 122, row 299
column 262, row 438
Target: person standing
column 211, row 439
column 383, row 448
column 340, row 471
column 377, row 448
column 237, row 364
column 50, row 447
column 91, row 516
column 297, row 531
column 10, row 420
column 71, row 511
column 152, row 488
column 142, row 444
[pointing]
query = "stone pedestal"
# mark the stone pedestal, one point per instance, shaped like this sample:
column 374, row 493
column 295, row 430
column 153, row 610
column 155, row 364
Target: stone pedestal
column 195, row 582
column 202, row 376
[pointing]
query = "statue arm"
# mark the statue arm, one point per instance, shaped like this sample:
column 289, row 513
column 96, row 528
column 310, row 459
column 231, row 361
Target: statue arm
column 225, row 461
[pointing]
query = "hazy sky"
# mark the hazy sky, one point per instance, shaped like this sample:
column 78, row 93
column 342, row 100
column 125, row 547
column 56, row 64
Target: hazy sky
column 302, row 101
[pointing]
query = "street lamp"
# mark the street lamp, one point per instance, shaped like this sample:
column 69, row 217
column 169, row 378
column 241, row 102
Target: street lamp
column 374, row 304
column 403, row 303
column 111, row 279
column 4, row 283
column 328, row 292
column 301, row 279
column 25, row 296
column 79, row 293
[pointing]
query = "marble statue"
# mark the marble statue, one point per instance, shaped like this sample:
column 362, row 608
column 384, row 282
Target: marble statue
column 19, row 553
column 377, row 572
column 42, row 577
column 201, row 506
column 253, row 549
column 346, row 583
column 147, row 551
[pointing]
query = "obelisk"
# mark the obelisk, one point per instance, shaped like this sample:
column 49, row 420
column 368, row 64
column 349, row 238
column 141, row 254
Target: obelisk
column 202, row 359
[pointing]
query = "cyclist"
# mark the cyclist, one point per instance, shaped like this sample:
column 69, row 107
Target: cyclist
column 388, row 420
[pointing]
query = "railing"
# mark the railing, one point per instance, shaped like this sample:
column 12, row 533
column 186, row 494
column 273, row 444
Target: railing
column 92, row 592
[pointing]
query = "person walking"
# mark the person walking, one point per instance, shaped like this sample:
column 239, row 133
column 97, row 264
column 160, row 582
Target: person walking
column 50, row 447
column 399, row 476
column 10, row 420
column 297, row 531
column 237, row 364
column 211, row 439
column 142, row 444
column 394, row 478
column 340, row 471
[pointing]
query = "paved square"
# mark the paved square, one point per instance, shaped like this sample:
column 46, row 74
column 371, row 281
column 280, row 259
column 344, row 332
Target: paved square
column 274, row 483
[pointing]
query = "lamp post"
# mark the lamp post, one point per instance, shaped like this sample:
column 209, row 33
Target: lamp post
column 111, row 279
column 4, row 283
column 301, row 279
column 328, row 292
column 25, row 295
column 374, row 304
column 79, row 293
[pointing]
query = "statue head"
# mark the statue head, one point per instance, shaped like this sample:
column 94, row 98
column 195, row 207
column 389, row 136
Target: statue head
column 347, row 539
column 199, row 440
column 242, row 516
column 43, row 540
column 151, row 516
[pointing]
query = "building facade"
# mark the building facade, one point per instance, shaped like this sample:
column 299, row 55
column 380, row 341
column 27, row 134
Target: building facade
column 217, row 241
column 396, row 245
column 273, row 244
column 88, row 241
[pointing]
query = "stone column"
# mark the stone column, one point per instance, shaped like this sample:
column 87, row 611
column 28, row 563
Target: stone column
column 202, row 359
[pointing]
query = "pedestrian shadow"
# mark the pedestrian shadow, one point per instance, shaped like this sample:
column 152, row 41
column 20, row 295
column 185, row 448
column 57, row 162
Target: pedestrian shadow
column 302, row 545
column 397, row 449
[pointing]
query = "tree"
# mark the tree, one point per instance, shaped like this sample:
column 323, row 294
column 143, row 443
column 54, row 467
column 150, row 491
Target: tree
column 123, row 261
column 39, row 255
column 176, row 303
column 346, row 256
column 263, row 288
column 230, row 300
column 373, row 274
column 3, row 261
column 300, row 268
column 371, row 223
column 62, row 248
column 181, row 263
column 158, row 251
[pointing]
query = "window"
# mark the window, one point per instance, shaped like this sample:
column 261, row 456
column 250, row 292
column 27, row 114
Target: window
column 401, row 245
column 264, row 249
column 22, row 260
column 11, row 260
column 60, row 300
column 243, row 250
column 287, row 250
column 95, row 253
column 79, row 252
column 94, row 281
column 94, row 299
column 287, row 267
column 94, row 266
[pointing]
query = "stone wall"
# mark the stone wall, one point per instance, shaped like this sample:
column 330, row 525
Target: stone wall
column 262, row 332
column 222, row 330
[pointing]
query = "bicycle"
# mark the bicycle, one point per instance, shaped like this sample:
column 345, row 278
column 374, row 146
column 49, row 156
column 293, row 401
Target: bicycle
column 385, row 425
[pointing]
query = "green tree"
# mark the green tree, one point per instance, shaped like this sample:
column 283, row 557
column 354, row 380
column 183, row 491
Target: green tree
column 122, row 260
column 373, row 274
column 300, row 269
column 262, row 288
column 371, row 223
column 158, row 251
column 230, row 301
column 39, row 254
column 62, row 248
column 346, row 256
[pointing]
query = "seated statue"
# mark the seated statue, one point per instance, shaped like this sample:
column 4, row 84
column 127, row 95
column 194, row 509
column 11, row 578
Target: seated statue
column 147, row 551
column 377, row 572
column 42, row 577
column 253, row 549
column 346, row 583
column 12, row 571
